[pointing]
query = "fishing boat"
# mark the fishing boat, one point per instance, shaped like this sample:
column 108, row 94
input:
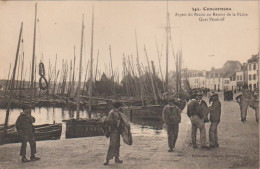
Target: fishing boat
column 149, row 112
column 83, row 128
column 42, row 132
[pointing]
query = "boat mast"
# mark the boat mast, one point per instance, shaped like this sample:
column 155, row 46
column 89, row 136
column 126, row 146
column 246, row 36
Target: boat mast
column 139, row 71
column 73, row 76
column 80, row 69
column 12, row 81
column 112, row 72
column 160, row 68
column 167, row 48
column 177, row 74
column 21, row 76
column 8, row 81
column 91, row 66
column 151, row 77
column 33, row 55
column 96, row 67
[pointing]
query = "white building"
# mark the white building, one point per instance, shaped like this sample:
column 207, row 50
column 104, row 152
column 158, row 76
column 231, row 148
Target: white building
column 214, row 80
column 253, row 72
column 197, row 79
column 229, row 81
column 197, row 82
column 242, row 77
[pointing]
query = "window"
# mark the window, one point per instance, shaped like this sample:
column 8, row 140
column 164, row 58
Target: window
column 254, row 66
column 216, row 74
column 250, row 77
column 254, row 76
column 250, row 66
column 237, row 78
column 254, row 86
column 241, row 77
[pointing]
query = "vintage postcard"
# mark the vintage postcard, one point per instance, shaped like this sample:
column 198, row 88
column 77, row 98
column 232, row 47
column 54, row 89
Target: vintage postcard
column 129, row 84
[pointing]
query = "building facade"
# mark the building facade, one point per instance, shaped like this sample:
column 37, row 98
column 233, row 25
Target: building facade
column 214, row 79
column 253, row 72
column 229, row 81
column 232, row 76
column 242, row 77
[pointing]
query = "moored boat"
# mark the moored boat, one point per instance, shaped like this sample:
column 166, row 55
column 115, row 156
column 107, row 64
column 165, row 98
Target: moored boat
column 42, row 132
column 84, row 128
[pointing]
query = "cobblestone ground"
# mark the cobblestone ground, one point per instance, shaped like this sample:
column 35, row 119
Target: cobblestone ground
column 238, row 141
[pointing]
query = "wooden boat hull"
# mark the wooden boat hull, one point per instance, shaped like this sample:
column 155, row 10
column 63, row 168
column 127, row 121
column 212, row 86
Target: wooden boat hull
column 83, row 128
column 42, row 132
column 144, row 113
column 150, row 112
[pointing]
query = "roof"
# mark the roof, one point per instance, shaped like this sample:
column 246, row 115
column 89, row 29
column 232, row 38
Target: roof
column 254, row 58
column 213, row 70
column 229, row 74
column 231, row 67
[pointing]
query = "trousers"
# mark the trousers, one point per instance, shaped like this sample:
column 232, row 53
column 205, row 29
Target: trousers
column 213, row 133
column 198, row 123
column 172, row 131
column 243, row 109
column 114, row 145
column 27, row 138
column 257, row 113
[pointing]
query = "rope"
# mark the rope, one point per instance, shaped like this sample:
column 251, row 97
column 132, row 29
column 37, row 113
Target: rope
column 43, row 86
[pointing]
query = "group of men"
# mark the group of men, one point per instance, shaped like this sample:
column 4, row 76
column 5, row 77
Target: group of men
column 197, row 111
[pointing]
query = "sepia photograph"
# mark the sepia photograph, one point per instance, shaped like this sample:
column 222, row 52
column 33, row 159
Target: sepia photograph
column 160, row 84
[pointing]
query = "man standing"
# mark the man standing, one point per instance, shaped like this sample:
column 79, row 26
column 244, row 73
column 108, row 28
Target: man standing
column 243, row 101
column 171, row 115
column 254, row 103
column 114, row 131
column 215, row 112
column 197, row 120
column 24, row 126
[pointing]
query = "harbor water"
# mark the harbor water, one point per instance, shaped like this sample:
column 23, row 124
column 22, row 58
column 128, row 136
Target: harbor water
column 58, row 115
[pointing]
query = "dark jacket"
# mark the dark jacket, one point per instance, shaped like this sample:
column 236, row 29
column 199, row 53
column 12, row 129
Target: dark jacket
column 215, row 111
column 24, row 124
column 171, row 114
column 205, row 110
column 193, row 108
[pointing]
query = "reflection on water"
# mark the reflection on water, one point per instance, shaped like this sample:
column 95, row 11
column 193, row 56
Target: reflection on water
column 50, row 115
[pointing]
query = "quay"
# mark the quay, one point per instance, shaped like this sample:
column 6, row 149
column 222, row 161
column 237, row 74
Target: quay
column 238, row 149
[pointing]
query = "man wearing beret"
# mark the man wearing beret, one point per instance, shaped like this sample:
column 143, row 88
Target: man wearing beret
column 171, row 115
column 25, row 128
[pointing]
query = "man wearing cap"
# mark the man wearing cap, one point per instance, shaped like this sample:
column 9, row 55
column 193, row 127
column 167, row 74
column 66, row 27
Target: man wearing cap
column 215, row 112
column 196, row 116
column 24, row 126
column 114, row 130
column 243, row 101
column 171, row 115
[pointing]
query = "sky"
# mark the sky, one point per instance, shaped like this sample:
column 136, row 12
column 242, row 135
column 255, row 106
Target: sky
column 204, row 44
